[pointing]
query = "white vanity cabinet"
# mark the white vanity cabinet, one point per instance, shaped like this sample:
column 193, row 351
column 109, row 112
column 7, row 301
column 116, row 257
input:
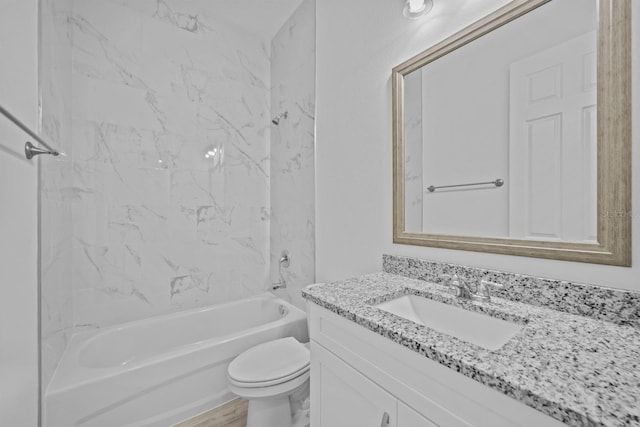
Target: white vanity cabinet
column 360, row 378
column 407, row 417
column 346, row 398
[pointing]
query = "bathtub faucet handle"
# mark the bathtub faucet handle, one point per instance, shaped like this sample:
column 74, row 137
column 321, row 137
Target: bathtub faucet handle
column 284, row 261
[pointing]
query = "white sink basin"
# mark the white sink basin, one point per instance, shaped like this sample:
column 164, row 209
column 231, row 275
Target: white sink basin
column 476, row 328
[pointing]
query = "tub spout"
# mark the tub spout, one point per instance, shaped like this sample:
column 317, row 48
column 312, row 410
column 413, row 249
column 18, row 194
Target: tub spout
column 280, row 285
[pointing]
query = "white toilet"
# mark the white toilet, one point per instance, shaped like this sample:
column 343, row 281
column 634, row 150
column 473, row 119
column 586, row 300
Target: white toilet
column 267, row 375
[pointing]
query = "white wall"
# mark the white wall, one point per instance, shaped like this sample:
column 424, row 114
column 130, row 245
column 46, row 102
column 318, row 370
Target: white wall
column 358, row 42
column 18, row 217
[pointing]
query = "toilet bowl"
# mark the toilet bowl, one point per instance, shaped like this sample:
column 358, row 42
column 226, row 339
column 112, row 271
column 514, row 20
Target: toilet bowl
column 267, row 375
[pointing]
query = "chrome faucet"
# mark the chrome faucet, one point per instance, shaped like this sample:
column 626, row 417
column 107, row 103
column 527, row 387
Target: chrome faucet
column 483, row 292
column 285, row 261
column 462, row 290
column 280, row 285
column 459, row 289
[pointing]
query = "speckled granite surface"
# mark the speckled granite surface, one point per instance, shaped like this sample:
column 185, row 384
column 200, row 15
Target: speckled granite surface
column 613, row 305
column 582, row 371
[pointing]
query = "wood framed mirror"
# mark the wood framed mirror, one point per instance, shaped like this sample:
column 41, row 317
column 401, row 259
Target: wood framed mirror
column 513, row 136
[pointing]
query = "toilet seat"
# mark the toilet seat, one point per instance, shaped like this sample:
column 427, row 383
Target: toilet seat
column 269, row 364
column 267, row 375
column 270, row 392
column 275, row 381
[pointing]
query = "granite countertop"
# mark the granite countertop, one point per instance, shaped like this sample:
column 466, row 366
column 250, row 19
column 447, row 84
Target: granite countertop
column 582, row 371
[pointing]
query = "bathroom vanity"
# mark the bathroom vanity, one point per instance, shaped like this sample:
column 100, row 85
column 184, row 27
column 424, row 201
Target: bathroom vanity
column 373, row 366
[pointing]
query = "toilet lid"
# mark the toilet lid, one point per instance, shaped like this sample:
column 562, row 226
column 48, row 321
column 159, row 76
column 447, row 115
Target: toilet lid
column 270, row 361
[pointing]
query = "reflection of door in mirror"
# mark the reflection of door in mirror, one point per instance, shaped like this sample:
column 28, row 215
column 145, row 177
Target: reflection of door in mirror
column 553, row 143
column 470, row 116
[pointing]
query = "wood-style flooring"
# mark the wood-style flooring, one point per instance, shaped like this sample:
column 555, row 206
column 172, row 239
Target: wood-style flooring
column 231, row 414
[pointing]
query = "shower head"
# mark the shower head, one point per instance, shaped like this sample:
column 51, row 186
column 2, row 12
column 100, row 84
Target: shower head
column 276, row 119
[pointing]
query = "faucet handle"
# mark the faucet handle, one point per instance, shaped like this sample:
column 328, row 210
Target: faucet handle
column 484, row 289
column 453, row 283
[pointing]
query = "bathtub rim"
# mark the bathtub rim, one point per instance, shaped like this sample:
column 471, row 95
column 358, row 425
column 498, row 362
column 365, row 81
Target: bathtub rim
column 70, row 373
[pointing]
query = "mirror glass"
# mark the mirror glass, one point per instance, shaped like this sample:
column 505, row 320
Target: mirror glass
column 514, row 111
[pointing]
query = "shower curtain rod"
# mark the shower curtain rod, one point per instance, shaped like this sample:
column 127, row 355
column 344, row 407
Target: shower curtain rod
column 29, row 149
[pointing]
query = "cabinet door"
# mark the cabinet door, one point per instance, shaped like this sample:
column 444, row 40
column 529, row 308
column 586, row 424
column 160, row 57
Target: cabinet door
column 407, row 417
column 342, row 397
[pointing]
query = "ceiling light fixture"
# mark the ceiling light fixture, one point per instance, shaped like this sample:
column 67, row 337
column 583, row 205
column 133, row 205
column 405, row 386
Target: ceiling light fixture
column 414, row 9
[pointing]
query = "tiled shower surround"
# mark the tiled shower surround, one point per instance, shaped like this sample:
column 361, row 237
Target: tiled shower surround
column 55, row 184
column 171, row 166
column 163, row 200
column 292, row 151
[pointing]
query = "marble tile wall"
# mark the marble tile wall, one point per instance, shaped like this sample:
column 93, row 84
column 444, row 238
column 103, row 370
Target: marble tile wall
column 171, row 163
column 292, row 151
column 55, row 185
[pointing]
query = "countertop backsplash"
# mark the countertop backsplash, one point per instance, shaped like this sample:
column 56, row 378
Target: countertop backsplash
column 612, row 305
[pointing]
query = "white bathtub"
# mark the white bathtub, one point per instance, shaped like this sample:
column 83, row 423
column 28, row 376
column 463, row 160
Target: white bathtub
column 162, row 370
